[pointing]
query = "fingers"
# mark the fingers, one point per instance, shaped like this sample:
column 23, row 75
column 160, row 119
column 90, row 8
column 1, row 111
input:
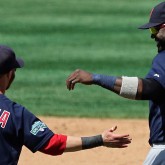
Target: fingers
column 118, row 143
column 113, row 129
column 72, row 80
column 123, row 139
column 71, row 83
column 78, row 76
column 118, row 136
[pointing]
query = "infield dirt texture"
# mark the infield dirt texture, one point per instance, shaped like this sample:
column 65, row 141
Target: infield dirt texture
column 133, row 155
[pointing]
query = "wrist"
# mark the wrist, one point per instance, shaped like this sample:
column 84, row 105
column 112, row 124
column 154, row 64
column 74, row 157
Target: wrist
column 91, row 142
column 107, row 82
column 96, row 78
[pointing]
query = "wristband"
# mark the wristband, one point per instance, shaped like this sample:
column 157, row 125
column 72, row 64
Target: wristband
column 129, row 87
column 91, row 142
column 107, row 82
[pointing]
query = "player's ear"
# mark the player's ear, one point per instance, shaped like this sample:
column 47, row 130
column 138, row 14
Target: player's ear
column 10, row 73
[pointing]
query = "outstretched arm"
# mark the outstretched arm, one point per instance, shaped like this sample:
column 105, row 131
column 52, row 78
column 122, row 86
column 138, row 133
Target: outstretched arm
column 128, row 87
column 61, row 143
column 108, row 139
column 131, row 88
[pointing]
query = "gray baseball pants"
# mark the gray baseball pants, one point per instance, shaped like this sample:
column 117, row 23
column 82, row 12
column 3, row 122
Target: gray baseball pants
column 156, row 155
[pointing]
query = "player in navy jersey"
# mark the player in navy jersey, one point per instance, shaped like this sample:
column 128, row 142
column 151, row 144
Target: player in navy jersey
column 19, row 127
column 151, row 87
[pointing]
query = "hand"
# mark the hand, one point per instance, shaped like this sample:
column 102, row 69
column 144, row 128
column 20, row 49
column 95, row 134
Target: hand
column 78, row 76
column 115, row 140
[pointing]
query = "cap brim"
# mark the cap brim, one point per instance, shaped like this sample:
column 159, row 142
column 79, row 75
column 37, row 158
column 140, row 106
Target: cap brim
column 20, row 63
column 149, row 25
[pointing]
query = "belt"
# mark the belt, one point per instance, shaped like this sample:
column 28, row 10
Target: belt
column 158, row 145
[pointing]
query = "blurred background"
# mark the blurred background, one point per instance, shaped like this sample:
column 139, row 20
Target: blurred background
column 55, row 37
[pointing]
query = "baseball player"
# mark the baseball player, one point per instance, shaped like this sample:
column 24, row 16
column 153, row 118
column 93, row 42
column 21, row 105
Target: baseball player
column 151, row 87
column 20, row 127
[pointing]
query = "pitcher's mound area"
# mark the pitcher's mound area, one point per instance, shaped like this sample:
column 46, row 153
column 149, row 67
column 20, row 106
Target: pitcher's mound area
column 133, row 155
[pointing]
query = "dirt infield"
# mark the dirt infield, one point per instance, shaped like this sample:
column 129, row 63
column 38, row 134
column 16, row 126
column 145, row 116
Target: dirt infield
column 133, row 155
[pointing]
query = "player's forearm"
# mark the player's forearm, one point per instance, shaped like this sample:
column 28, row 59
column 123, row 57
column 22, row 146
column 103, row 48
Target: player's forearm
column 107, row 139
column 105, row 81
column 128, row 87
column 58, row 144
column 146, row 89
column 73, row 144
column 152, row 90
column 80, row 143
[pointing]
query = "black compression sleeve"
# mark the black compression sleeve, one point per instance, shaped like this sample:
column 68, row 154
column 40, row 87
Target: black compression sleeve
column 91, row 142
column 152, row 90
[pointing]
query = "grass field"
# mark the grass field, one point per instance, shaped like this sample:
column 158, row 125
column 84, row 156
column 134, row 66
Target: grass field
column 55, row 37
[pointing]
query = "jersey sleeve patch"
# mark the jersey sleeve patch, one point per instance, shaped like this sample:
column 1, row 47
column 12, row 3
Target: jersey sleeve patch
column 37, row 127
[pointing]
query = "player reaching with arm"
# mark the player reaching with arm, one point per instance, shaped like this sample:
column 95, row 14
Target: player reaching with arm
column 61, row 143
column 20, row 127
column 128, row 87
column 151, row 88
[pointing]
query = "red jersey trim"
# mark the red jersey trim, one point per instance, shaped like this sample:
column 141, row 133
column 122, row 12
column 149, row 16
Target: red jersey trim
column 55, row 145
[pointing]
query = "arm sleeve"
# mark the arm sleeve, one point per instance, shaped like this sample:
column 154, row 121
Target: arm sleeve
column 154, row 83
column 157, row 71
column 35, row 132
column 55, row 145
column 152, row 90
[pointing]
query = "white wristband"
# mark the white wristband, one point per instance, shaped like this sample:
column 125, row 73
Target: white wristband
column 129, row 87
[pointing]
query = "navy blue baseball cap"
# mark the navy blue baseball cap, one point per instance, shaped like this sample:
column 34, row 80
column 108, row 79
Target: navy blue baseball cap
column 8, row 60
column 157, row 16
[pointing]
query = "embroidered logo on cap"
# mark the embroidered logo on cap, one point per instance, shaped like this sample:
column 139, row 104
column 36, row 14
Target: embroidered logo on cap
column 37, row 126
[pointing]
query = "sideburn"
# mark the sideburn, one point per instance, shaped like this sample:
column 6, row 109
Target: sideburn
column 160, row 39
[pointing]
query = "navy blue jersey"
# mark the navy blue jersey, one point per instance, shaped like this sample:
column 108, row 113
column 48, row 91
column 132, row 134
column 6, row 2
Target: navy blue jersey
column 19, row 127
column 157, row 108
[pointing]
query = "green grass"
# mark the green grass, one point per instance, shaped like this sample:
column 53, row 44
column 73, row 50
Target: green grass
column 55, row 37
